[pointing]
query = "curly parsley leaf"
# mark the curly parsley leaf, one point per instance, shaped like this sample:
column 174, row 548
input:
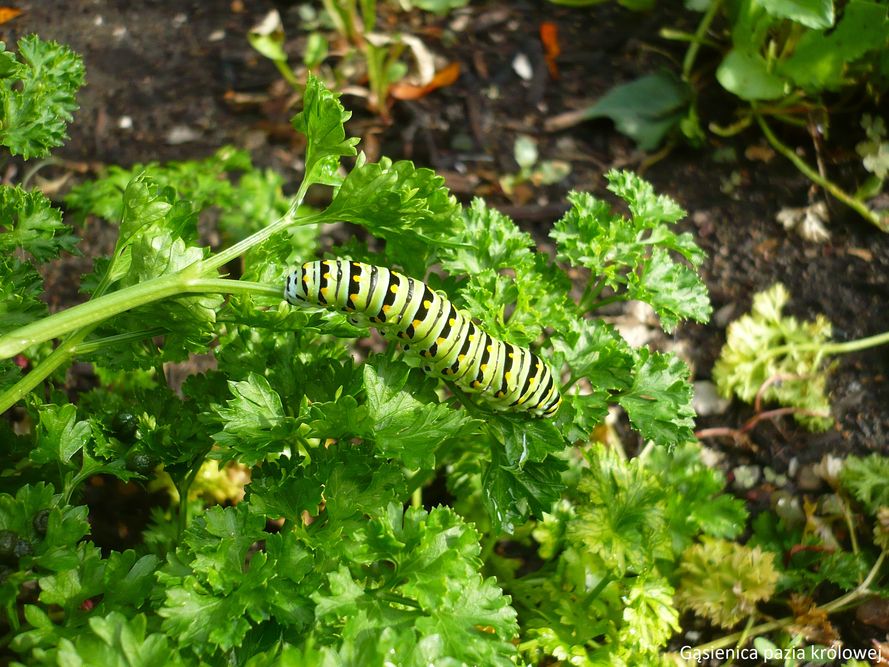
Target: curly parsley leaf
column 659, row 401
column 30, row 222
column 322, row 121
column 254, row 422
column 632, row 255
column 37, row 95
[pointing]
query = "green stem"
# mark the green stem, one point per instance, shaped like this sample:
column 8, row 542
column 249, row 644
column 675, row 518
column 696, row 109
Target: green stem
column 813, row 175
column 832, row 348
column 692, row 53
column 95, row 311
column 43, row 370
column 835, row 605
column 83, row 319
column 129, row 337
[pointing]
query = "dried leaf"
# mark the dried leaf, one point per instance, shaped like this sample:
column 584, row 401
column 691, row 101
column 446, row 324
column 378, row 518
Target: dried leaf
column 8, row 13
column 549, row 36
column 443, row 77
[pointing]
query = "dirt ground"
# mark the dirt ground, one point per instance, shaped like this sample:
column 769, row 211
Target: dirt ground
column 176, row 80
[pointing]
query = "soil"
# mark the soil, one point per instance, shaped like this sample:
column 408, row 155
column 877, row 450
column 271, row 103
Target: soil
column 176, row 80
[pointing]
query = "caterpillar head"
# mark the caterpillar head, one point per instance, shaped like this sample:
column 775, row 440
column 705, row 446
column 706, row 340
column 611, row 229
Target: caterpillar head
column 295, row 288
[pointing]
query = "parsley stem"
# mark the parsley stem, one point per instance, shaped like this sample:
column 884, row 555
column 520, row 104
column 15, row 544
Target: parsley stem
column 834, row 348
column 84, row 318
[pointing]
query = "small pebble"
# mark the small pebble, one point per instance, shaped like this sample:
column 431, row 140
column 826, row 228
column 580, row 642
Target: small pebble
column 125, row 123
column 216, row 36
column 181, row 134
column 746, row 477
column 707, row 400
column 807, row 479
column 521, row 65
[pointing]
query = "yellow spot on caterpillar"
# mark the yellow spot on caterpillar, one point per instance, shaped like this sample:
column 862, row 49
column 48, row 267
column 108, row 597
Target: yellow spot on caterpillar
column 476, row 384
column 353, row 298
column 326, row 276
column 324, row 292
column 417, row 323
column 508, row 376
column 461, row 357
column 387, row 308
column 490, row 347
column 499, row 394
column 511, row 355
column 471, row 337
column 427, row 304
column 441, row 341
column 393, row 289
column 532, row 381
column 357, row 279
column 538, row 365
column 452, row 321
column 484, row 368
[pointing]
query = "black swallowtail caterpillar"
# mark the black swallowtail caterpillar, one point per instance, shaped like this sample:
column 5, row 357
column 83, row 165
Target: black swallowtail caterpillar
column 445, row 338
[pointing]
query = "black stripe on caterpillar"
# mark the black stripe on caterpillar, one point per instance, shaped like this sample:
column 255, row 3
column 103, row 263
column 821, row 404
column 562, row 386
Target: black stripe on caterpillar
column 446, row 340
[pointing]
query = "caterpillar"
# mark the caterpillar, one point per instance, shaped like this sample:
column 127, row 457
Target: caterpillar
column 446, row 340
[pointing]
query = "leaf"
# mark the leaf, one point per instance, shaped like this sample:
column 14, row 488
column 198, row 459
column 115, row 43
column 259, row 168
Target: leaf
column 20, row 290
column 632, row 256
column 722, row 581
column 37, row 96
column 822, row 58
column 402, row 426
column 645, row 110
column 766, row 346
column 512, row 492
column 816, row 14
column 867, row 478
column 747, row 75
column 407, row 206
column 254, row 423
column 60, row 435
column 117, row 641
column 29, row 221
column 659, row 402
column 446, row 76
column 322, row 122
column 621, row 519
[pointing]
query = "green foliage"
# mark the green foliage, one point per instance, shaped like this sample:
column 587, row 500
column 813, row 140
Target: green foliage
column 791, row 55
column 777, row 357
column 722, row 581
column 320, row 562
column 37, row 95
column 868, row 480
column 605, row 591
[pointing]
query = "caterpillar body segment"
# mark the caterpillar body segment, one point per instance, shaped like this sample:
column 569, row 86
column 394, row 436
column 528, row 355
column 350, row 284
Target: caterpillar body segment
column 429, row 327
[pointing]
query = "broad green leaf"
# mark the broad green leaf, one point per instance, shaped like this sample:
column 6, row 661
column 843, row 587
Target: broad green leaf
column 816, row 14
column 646, row 109
column 747, row 75
column 512, row 493
column 822, row 57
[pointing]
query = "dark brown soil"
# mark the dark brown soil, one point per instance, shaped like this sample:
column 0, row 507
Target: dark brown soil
column 169, row 65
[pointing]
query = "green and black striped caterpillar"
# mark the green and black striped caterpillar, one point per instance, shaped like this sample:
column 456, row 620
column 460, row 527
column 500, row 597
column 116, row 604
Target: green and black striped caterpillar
column 445, row 338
